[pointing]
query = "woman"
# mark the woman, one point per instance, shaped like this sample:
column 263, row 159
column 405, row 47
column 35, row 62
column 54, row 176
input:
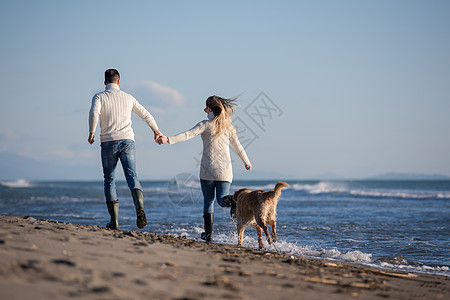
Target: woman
column 216, row 172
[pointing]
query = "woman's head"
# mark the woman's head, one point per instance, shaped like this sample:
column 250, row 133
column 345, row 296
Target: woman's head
column 223, row 109
column 218, row 104
column 215, row 104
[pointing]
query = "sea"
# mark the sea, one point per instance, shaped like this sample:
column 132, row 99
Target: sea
column 397, row 225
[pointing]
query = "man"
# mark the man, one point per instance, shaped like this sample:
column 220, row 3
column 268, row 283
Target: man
column 114, row 108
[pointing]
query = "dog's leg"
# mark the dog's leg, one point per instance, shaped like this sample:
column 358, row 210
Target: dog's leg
column 273, row 224
column 260, row 239
column 264, row 227
column 240, row 229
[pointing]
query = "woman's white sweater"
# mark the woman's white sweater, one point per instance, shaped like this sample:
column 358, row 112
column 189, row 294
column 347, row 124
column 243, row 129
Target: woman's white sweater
column 216, row 160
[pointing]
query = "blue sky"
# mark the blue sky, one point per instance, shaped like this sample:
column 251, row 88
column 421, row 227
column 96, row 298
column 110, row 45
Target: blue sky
column 362, row 87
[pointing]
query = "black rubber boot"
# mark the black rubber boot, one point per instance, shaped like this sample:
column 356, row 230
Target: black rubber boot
column 113, row 210
column 233, row 209
column 138, row 200
column 209, row 219
column 228, row 201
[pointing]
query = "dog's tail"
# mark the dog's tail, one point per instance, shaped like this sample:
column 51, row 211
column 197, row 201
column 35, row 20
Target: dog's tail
column 278, row 187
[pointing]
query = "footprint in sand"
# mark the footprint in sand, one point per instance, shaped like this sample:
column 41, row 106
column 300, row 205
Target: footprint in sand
column 64, row 262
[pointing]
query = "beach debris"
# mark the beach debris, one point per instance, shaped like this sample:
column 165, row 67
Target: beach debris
column 332, row 265
column 321, row 280
column 168, row 264
column 403, row 275
column 361, row 285
column 139, row 263
column 221, row 281
column 245, row 273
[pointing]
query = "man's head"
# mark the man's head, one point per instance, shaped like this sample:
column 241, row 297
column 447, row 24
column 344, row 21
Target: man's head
column 112, row 76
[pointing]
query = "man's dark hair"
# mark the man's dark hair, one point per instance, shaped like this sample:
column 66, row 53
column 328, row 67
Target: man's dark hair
column 111, row 75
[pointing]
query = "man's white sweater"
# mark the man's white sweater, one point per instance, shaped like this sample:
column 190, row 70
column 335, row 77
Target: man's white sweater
column 114, row 108
column 216, row 160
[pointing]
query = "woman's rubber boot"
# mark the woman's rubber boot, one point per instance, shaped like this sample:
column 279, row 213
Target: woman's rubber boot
column 113, row 210
column 228, row 201
column 209, row 219
column 138, row 200
column 233, row 209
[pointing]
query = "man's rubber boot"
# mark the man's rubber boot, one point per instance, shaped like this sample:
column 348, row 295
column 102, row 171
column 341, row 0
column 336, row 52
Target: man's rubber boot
column 138, row 200
column 113, row 210
column 209, row 219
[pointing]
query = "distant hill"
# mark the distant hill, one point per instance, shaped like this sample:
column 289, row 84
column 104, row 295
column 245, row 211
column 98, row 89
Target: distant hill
column 408, row 176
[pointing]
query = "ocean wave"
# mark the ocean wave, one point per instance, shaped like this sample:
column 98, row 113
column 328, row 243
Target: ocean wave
column 19, row 183
column 320, row 188
column 342, row 188
column 400, row 194
column 158, row 190
column 411, row 267
column 289, row 248
column 68, row 199
column 266, row 187
column 280, row 246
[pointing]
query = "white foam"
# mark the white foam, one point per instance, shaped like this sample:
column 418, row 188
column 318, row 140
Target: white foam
column 295, row 249
column 266, row 187
column 324, row 187
column 357, row 256
column 438, row 270
column 19, row 183
column 281, row 246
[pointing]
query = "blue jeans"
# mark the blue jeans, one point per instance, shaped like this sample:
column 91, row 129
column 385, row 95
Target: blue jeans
column 111, row 153
column 222, row 188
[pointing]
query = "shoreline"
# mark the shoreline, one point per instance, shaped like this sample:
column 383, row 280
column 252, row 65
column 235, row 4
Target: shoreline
column 42, row 259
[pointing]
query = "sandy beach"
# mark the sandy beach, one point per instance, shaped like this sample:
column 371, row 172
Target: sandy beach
column 45, row 259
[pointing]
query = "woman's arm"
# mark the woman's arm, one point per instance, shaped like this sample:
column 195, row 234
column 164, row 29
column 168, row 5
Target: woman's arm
column 189, row 134
column 240, row 150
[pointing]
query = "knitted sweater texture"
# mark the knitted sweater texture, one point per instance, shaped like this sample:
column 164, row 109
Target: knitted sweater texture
column 216, row 161
column 114, row 108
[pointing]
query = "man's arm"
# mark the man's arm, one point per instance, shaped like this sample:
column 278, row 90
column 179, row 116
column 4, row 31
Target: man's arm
column 94, row 113
column 145, row 115
column 148, row 118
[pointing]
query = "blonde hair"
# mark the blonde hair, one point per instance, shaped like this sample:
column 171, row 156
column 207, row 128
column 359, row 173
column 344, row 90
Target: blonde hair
column 223, row 110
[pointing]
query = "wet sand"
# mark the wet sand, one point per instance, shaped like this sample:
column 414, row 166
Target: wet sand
column 44, row 259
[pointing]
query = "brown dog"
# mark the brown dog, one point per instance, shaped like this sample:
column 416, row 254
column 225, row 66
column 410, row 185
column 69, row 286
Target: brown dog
column 258, row 208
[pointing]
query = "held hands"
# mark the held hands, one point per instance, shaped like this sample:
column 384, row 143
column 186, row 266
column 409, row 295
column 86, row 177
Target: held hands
column 158, row 134
column 163, row 140
column 160, row 138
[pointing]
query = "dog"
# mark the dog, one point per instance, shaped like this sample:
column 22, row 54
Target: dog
column 258, row 208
